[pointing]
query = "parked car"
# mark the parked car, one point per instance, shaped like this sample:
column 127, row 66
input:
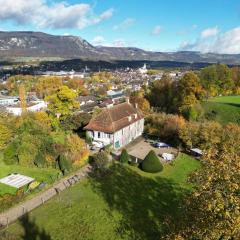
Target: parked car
column 97, row 144
column 160, row 145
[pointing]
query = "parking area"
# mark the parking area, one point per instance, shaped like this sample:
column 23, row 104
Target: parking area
column 141, row 147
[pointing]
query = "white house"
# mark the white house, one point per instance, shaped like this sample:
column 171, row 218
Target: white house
column 33, row 107
column 8, row 100
column 115, row 94
column 117, row 125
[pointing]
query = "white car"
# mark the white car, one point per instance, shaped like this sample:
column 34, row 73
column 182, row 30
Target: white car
column 97, row 144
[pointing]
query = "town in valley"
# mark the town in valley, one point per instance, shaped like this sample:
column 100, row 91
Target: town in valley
column 124, row 138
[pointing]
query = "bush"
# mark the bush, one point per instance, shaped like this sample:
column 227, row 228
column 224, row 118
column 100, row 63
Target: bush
column 64, row 164
column 193, row 113
column 101, row 160
column 151, row 163
column 108, row 148
column 10, row 155
column 124, row 157
column 39, row 160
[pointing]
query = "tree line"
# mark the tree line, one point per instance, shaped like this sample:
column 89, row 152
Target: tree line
column 183, row 96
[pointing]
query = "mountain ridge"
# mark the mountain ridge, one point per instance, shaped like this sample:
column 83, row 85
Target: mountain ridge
column 41, row 45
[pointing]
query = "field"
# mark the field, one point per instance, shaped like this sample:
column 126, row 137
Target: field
column 223, row 109
column 126, row 203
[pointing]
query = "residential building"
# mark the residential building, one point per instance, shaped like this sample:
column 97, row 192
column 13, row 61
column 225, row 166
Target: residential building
column 31, row 107
column 8, row 100
column 117, row 125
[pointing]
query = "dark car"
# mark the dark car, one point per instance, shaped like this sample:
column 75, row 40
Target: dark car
column 160, row 145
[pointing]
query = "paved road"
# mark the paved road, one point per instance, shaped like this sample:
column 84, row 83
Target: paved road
column 14, row 213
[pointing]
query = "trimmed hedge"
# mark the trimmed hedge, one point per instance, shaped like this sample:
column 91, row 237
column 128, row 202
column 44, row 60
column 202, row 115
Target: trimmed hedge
column 124, row 157
column 151, row 163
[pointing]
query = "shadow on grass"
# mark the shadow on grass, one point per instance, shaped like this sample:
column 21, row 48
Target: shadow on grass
column 144, row 203
column 233, row 104
column 31, row 230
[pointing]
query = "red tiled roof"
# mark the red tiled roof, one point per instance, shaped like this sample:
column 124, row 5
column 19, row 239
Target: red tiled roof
column 114, row 118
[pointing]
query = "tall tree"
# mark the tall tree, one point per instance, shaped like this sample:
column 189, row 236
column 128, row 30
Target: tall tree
column 63, row 102
column 212, row 211
column 137, row 98
column 162, row 94
column 236, row 79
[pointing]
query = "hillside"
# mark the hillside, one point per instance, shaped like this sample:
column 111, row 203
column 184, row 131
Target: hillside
column 42, row 45
column 223, row 109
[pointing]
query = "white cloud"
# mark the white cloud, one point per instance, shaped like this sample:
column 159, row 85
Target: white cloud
column 55, row 15
column 128, row 22
column 157, row 30
column 227, row 42
column 98, row 40
column 119, row 43
column 101, row 41
column 209, row 32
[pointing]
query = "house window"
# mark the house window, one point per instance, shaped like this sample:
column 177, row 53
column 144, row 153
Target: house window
column 99, row 134
column 117, row 144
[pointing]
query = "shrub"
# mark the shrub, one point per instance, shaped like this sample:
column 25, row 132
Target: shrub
column 64, row 164
column 101, row 160
column 151, row 163
column 9, row 154
column 76, row 150
column 124, row 157
column 193, row 113
column 108, row 148
column 39, row 160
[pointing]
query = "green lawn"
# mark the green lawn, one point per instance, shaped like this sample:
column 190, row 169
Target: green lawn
column 223, row 109
column 124, row 204
column 39, row 174
column 226, row 99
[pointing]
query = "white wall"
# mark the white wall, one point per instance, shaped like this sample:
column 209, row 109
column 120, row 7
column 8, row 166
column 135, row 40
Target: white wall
column 121, row 137
column 40, row 105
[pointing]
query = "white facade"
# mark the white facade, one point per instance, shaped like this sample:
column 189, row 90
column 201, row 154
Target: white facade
column 120, row 138
column 40, row 105
column 143, row 70
column 6, row 101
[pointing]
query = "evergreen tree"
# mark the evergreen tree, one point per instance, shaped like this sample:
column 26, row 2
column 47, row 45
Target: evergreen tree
column 151, row 163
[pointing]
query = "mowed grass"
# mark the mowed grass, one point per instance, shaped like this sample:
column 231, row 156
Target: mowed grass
column 39, row 174
column 226, row 99
column 125, row 203
column 224, row 109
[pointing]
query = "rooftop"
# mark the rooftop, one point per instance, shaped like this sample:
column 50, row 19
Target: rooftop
column 16, row 180
column 112, row 119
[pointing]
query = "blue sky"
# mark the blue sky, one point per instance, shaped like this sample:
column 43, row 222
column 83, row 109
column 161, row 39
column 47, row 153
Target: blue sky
column 200, row 25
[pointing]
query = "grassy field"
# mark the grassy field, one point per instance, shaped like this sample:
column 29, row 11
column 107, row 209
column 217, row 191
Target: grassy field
column 227, row 99
column 223, row 109
column 124, row 204
column 39, row 174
